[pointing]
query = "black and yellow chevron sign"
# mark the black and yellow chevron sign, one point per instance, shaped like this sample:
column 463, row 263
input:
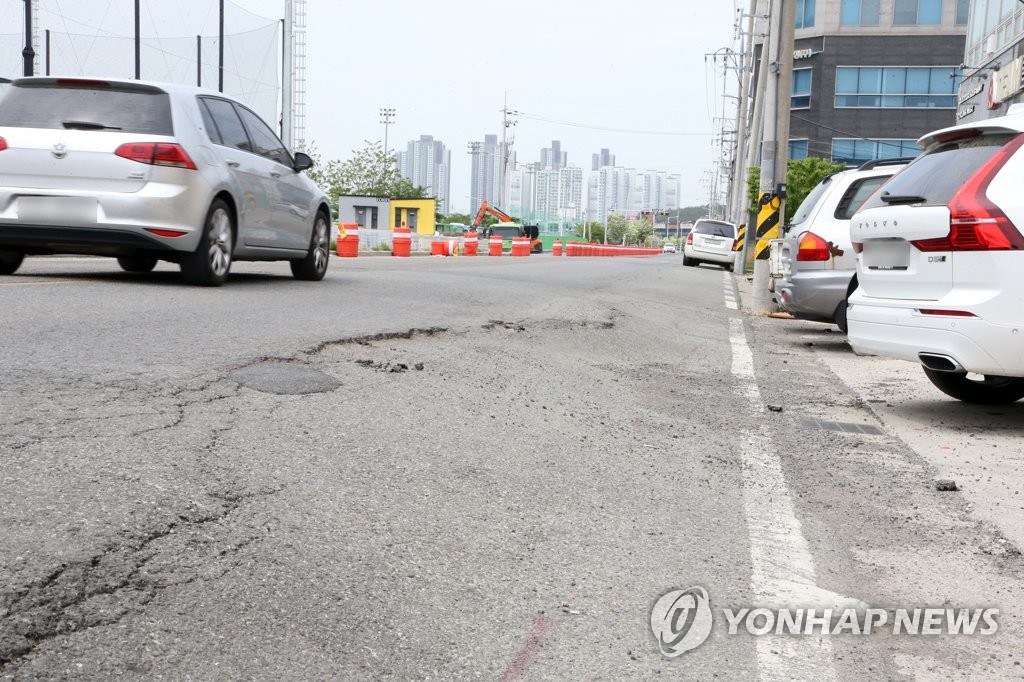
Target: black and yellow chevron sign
column 741, row 237
column 767, row 224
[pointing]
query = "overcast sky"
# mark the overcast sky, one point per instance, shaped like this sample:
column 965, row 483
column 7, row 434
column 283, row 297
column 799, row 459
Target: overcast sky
column 602, row 67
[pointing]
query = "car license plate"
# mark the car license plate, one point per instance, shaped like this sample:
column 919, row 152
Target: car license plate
column 887, row 254
column 61, row 210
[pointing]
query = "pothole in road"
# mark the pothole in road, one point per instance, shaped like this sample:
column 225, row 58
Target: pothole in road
column 284, row 378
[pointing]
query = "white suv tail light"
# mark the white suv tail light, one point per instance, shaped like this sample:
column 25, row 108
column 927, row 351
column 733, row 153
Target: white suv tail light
column 975, row 223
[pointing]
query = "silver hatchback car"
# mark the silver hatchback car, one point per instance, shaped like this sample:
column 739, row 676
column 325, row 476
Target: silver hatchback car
column 150, row 171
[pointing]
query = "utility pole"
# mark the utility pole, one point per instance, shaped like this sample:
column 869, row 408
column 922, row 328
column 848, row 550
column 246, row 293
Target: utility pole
column 774, row 148
column 28, row 53
column 754, row 145
column 739, row 194
column 220, row 49
column 505, row 153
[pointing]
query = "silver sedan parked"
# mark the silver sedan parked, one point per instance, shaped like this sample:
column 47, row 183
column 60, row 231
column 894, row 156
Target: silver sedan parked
column 149, row 171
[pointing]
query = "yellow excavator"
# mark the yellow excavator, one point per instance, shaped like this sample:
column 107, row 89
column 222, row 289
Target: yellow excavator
column 506, row 227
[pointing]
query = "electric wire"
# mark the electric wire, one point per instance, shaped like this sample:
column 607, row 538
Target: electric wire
column 663, row 133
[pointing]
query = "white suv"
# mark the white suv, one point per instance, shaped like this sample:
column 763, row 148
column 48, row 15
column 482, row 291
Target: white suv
column 814, row 270
column 941, row 260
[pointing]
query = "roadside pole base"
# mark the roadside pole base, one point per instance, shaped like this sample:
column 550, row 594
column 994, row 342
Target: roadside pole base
column 761, row 299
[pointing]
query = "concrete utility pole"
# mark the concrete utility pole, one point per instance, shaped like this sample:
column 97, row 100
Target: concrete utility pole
column 739, row 194
column 754, row 146
column 774, row 149
column 505, row 153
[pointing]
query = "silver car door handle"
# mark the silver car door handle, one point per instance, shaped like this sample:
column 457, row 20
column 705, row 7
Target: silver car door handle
column 234, row 164
column 275, row 174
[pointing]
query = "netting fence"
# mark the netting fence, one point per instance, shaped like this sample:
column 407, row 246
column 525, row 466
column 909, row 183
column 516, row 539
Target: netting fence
column 179, row 44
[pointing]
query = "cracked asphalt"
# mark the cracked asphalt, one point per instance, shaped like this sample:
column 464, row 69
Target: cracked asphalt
column 441, row 468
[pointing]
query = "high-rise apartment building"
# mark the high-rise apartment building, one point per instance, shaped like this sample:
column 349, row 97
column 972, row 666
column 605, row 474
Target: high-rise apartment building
column 486, row 172
column 553, row 157
column 427, row 163
column 615, row 189
column 604, row 158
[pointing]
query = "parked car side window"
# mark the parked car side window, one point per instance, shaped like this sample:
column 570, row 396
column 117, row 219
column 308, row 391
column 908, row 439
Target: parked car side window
column 810, row 201
column 264, row 141
column 856, row 194
column 231, row 130
column 209, row 123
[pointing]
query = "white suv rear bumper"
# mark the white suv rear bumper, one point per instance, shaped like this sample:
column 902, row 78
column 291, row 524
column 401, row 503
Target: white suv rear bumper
column 902, row 332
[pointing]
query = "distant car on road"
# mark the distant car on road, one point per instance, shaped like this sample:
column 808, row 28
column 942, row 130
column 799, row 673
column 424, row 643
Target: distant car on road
column 814, row 268
column 710, row 241
column 145, row 172
column 942, row 252
column 668, row 247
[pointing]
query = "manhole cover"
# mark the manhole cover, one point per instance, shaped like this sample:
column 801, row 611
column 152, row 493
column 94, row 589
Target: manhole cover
column 285, row 378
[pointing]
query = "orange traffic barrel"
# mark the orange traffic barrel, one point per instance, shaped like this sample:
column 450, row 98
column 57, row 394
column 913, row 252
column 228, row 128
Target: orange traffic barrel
column 470, row 243
column 520, row 246
column 401, row 242
column 495, row 245
column 348, row 240
column 556, row 248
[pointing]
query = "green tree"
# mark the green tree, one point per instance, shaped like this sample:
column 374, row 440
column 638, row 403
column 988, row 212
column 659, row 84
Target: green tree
column 618, row 227
column 691, row 213
column 640, row 232
column 369, row 172
column 595, row 231
column 461, row 218
column 802, row 175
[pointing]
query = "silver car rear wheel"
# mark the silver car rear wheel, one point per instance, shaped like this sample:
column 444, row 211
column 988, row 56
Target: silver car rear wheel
column 210, row 263
column 313, row 267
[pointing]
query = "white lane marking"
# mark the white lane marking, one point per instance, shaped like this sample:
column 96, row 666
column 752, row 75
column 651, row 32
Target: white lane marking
column 730, row 300
column 783, row 574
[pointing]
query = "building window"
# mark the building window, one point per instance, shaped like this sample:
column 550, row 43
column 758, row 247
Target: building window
column 804, row 13
column 898, row 87
column 860, row 13
column 797, row 149
column 801, row 97
column 963, row 11
column 917, row 12
column 854, row 152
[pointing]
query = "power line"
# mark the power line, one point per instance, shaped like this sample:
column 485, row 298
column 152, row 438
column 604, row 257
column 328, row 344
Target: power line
column 612, row 130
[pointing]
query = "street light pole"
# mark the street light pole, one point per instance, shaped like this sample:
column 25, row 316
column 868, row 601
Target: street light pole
column 387, row 117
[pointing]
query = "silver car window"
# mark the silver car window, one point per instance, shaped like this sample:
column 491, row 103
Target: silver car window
column 232, row 132
column 264, row 141
column 115, row 111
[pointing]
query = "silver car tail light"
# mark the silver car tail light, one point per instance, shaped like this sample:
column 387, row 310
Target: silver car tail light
column 156, row 154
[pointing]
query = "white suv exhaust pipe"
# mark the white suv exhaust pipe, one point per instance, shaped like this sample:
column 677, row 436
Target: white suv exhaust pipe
column 940, row 363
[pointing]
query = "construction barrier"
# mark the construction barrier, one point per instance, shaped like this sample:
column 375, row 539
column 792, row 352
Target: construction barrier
column 444, row 247
column 495, row 245
column 470, row 244
column 348, row 240
column 556, row 248
column 520, row 246
column 401, row 242
column 608, row 250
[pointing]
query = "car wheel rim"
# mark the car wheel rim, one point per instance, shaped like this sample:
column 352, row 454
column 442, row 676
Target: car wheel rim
column 220, row 243
column 320, row 245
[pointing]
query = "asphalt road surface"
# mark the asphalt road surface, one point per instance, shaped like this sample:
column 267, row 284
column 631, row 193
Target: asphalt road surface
column 462, row 468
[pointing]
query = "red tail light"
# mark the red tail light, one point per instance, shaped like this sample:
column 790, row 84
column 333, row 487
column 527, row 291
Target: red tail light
column 689, row 239
column 857, row 247
column 3, row 144
column 735, row 243
column 975, row 223
column 156, row 154
column 946, row 313
column 813, row 248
